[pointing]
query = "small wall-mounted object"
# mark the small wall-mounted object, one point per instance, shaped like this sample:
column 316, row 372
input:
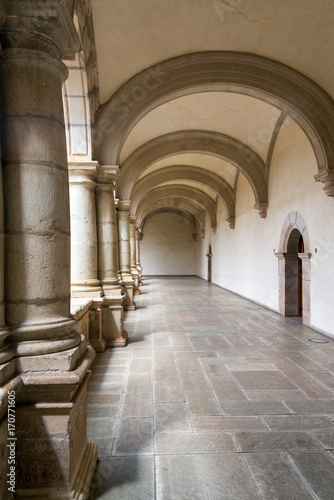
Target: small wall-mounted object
column 315, row 250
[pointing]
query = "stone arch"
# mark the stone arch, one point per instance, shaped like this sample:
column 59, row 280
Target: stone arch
column 196, row 141
column 293, row 260
column 169, row 209
column 293, row 221
column 169, row 204
column 80, row 90
column 273, row 82
column 184, row 172
column 176, row 191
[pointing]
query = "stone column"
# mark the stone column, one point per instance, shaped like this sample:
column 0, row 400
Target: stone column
column 113, row 331
column 139, row 268
column 124, row 252
column 133, row 258
column 52, row 448
column 84, row 274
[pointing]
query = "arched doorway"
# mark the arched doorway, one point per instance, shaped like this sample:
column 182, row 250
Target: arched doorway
column 209, row 256
column 293, row 275
column 294, row 269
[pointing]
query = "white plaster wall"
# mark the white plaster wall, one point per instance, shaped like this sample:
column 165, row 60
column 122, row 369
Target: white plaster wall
column 167, row 247
column 243, row 259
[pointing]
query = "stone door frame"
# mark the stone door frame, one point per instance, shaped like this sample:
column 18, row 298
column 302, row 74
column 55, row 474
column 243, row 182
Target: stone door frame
column 294, row 221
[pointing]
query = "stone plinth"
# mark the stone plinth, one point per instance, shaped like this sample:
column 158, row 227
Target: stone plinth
column 53, row 458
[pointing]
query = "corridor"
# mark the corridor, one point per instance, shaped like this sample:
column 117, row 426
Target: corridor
column 214, row 398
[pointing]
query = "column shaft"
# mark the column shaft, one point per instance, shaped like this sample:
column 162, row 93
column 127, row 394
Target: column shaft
column 84, row 274
column 134, row 270
column 138, row 264
column 36, row 203
column 124, row 252
column 112, row 310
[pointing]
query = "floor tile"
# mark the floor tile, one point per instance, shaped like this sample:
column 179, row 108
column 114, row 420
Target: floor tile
column 168, row 391
column 202, row 403
column 227, row 477
column 99, row 427
column 123, row 479
column 298, row 422
column 263, row 380
column 316, row 469
column 276, row 477
column 254, row 407
column 172, row 417
column 227, row 424
column 276, row 394
column 134, row 436
column 214, row 398
column 137, row 405
column 178, row 443
column 276, row 441
column 179, row 478
column 139, row 382
column 311, row 406
column 194, row 381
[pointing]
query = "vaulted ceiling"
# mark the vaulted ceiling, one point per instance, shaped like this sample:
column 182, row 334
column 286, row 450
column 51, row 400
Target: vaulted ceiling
column 213, row 113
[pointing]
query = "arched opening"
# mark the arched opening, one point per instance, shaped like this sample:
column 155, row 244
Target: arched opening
column 293, row 275
column 294, row 269
column 209, row 255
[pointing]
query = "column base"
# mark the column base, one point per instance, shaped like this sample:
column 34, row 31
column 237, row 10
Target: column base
column 121, row 341
column 86, row 291
column 130, row 307
column 58, row 361
column 98, row 345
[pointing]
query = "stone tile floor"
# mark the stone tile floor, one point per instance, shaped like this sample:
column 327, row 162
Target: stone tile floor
column 214, row 398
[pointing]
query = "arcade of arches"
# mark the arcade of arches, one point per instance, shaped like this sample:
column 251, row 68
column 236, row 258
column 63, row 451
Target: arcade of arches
column 150, row 137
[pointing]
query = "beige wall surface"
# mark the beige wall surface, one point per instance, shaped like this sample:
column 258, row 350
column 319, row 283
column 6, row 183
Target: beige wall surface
column 244, row 259
column 167, row 247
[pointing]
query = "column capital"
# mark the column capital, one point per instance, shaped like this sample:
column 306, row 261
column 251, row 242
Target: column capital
column 39, row 26
column 123, row 205
column 82, row 172
column 107, row 174
column 132, row 219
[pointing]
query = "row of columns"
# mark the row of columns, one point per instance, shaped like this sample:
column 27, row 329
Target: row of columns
column 105, row 259
column 44, row 361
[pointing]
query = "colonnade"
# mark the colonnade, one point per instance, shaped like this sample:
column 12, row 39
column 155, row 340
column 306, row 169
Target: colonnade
column 44, row 360
column 105, row 263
